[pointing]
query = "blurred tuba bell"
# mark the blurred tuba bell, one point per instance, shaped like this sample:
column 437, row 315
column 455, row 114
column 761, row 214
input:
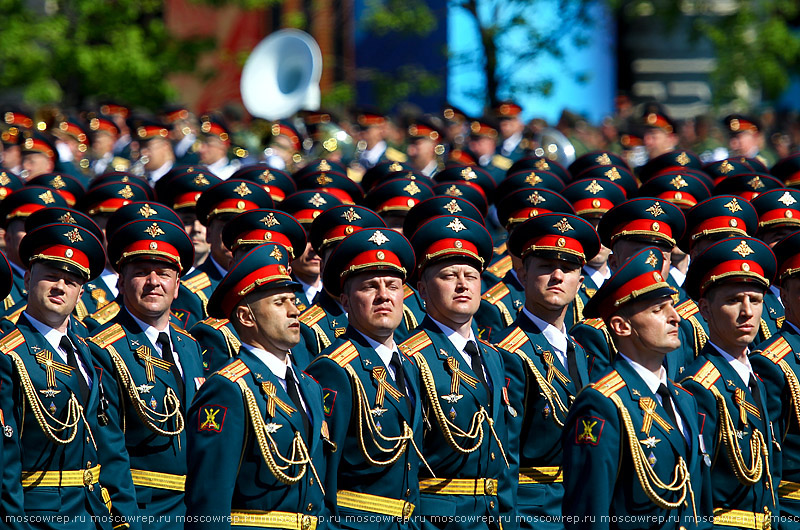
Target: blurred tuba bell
column 553, row 145
column 281, row 75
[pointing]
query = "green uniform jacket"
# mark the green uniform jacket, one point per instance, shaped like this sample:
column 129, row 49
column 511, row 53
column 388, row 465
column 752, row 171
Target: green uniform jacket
column 11, row 497
column 499, row 307
column 711, row 374
column 771, row 317
column 92, row 444
column 600, row 477
column 540, row 391
column 777, row 364
column 218, row 341
column 124, row 353
column 227, row 467
column 458, row 406
column 348, row 469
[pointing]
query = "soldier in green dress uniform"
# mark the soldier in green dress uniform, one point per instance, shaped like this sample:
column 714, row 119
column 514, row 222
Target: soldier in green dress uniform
column 467, row 484
column 152, row 367
column 634, row 456
column 728, row 280
column 256, row 431
column 371, row 392
column 545, row 368
column 74, row 461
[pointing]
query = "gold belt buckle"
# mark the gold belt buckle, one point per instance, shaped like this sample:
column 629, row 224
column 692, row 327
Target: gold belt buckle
column 88, row 479
column 490, row 487
column 305, row 522
column 407, row 509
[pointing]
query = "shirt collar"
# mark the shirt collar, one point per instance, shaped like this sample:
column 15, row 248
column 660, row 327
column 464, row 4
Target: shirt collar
column 18, row 271
column 218, row 165
column 384, row 352
column 556, row 337
column 160, row 172
column 430, row 169
column 275, row 365
column 743, row 369
column 150, row 331
column 455, row 337
column 677, row 275
column 597, row 276
column 51, row 335
column 309, row 290
column 109, row 277
column 652, row 380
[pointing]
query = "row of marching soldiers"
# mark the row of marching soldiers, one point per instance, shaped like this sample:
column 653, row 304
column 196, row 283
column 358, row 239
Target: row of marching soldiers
column 437, row 380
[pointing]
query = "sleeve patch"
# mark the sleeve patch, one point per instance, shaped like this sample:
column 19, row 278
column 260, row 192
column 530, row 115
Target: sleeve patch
column 588, row 430
column 211, row 418
column 328, row 400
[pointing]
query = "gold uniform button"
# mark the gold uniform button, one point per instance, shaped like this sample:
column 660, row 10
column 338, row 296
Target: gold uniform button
column 491, row 455
column 88, row 465
column 409, row 466
column 88, row 440
column 408, row 492
column 491, row 504
column 311, row 481
column 310, row 507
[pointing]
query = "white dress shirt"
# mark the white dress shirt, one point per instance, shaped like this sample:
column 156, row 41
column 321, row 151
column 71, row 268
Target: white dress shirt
column 511, row 143
column 460, row 344
column 280, row 369
column 222, row 168
column 310, row 291
column 152, row 335
column 370, row 157
column 653, row 382
column 109, row 278
column 597, row 276
column 53, row 337
column 156, row 174
column 743, row 369
column 383, row 352
column 677, row 275
column 556, row 337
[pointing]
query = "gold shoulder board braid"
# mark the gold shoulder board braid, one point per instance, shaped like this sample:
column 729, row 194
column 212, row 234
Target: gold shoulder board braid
column 74, row 409
column 513, row 343
column 707, row 376
column 494, row 296
column 149, row 417
column 777, row 353
column 412, row 348
column 235, row 372
column 311, row 317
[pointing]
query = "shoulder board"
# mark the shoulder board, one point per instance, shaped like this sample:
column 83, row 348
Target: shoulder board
column 610, row 384
column 780, row 322
column 312, row 315
column 395, row 155
column 707, row 375
column 500, row 267
column 407, row 291
column 415, row 343
column 501, row 249
column 502, row 162
column 215, row 323
column 487, row 343
column 496, row 293
column 180, row 330
column 687, row 309
column 344, row 354
column 197, row 282
column 777, row 350
column 514, row 340
column 14, row 317
column 108, row 336
column 234, row 371
column 596, row 323
column 120, row 164
column 11, row 341
column 105, row 313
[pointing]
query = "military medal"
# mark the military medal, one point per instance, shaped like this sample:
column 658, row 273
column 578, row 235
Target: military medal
column 153, row 403
column 452, row 413
column 511, row 410
column 650, row 443
column 651, row 458
column 8, row 431
column 52, row 408
column 272, row 428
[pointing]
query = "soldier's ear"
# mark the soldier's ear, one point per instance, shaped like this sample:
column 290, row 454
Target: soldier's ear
column 245, row 316
column 705, row 308
column 620, row 326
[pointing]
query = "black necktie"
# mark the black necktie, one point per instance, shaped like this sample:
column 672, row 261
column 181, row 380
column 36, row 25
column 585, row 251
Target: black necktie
column 400, row 379
column 572, row 365
column 477, row 366
column 666, row 402
column 753, row 386
column 72, row 360
column 166, row 354
column 294, row 394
